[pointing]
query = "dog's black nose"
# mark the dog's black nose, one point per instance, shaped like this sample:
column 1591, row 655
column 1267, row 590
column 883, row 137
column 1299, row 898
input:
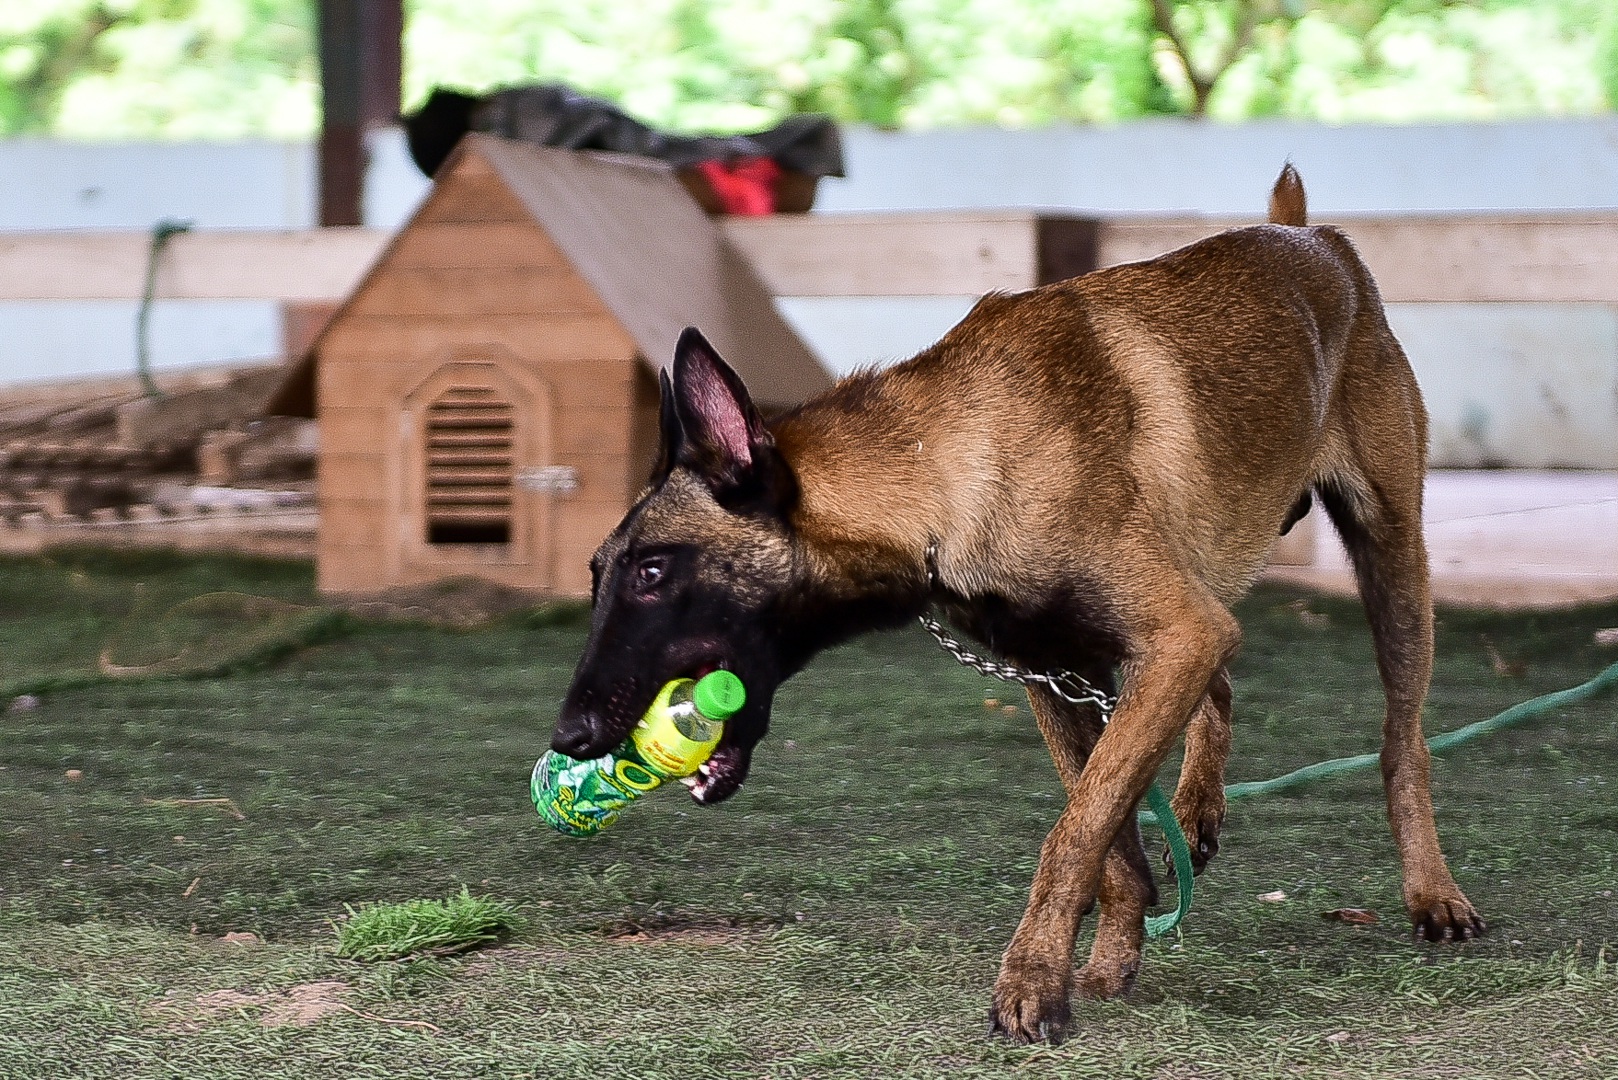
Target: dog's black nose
column 578, row 737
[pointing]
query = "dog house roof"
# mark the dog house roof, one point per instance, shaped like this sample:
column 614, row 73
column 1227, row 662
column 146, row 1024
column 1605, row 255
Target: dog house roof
column 648, row 251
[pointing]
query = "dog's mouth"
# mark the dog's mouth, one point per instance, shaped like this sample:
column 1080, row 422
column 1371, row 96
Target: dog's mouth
column 720, row 775
column 600, row 717
column 694, row 659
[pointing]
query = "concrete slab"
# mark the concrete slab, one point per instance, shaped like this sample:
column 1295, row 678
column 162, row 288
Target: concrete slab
column 1502, row 538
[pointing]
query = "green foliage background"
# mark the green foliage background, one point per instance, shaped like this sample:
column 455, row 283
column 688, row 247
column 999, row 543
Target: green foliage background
column 237, row 68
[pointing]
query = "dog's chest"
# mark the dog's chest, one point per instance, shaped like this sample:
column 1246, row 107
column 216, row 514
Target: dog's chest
column 1065, row 626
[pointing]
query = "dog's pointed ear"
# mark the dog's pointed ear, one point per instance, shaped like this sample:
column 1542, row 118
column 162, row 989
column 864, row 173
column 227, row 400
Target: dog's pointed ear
column 720, row 425
column 722, row 434
column 669, row 435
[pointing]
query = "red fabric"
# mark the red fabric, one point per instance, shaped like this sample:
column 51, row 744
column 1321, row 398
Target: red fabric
column 745, row 187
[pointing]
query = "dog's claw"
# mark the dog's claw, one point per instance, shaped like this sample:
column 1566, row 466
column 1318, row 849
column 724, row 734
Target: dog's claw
column 1031, row 1003
column 1450, row 919
column 1203, row 840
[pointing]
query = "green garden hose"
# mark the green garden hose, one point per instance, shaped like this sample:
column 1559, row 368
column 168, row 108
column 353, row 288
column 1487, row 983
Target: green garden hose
column 1158, row 925
column 1162, row 816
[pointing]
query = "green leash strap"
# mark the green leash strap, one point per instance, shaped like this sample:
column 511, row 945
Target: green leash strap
column 1162, row 816
column 1158, row 925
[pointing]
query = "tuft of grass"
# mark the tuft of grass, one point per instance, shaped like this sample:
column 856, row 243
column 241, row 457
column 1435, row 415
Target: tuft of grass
column 423, row 927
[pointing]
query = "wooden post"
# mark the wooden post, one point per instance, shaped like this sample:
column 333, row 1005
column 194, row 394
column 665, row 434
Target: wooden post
column 1065, row 247
column 361, row 59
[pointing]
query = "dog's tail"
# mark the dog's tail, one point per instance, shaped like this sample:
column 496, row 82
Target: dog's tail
column 1288, row 204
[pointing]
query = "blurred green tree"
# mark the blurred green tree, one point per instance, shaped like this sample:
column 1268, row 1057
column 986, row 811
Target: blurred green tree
column 234, row 68
column 171, row 68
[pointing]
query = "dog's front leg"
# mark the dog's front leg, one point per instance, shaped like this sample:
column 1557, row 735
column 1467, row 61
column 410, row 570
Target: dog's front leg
column 1127, row 888
column 1165, row 679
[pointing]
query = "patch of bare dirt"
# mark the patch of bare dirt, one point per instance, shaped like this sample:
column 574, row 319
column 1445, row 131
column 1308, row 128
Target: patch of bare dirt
column 305, row 1004
column 297, row 1006
column 216, row 1002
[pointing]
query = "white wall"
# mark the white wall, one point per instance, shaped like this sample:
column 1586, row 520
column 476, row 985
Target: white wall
column 1519, row 385
column 60, row 340
column 53, row 185
column 1218, row 168
column 1516, row 384
column 58, row 185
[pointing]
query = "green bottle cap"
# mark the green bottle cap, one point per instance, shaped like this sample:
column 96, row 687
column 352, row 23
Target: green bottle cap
column 719, row 695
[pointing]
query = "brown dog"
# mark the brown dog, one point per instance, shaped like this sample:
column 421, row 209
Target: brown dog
column 1081, row 476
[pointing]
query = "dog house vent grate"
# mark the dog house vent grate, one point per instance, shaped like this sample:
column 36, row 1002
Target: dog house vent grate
column 469, row 467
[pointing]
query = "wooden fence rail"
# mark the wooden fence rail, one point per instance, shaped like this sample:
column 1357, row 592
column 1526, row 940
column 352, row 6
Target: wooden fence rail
column 1471, row 258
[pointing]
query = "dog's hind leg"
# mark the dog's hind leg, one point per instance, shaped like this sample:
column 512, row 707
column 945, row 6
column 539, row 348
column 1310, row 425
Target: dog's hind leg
column 1374, row 500
column 1199, row 797
column 1127, row 888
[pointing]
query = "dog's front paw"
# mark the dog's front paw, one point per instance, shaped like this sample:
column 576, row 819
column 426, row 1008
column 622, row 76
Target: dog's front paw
column 1031, row 1002
column 1445, row 915
column 721, row 775
column 1201, row 825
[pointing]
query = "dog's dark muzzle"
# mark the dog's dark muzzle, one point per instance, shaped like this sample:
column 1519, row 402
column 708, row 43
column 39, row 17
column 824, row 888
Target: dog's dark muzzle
column 583, row 736
column 592, row 723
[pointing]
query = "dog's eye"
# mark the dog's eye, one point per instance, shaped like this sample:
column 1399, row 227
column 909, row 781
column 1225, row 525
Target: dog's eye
column 649, row 573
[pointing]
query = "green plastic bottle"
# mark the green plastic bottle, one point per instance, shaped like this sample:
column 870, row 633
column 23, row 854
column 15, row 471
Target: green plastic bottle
column 678, row 733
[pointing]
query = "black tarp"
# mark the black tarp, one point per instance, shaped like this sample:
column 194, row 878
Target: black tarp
column 552, row 114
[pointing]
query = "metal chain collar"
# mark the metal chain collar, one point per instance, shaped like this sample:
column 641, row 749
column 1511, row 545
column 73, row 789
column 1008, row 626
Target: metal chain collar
column 1070, row 686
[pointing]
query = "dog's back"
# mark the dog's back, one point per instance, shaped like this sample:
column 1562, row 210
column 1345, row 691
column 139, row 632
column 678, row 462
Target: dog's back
column 1195, row 392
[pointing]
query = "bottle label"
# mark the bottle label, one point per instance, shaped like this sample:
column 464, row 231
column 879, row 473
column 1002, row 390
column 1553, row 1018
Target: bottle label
column 663, row 738
column 633, row 776
column 584, row 797
column 669, row 752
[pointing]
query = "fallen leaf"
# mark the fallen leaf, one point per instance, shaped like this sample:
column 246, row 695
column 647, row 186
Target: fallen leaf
column 74, row 775
column 1337, row 1037
column 1352, row 915
column 1275, row 897
column 191, row 888
column 242, row 937
column 991, row 703
column 1008, row 709
column 1607, row 636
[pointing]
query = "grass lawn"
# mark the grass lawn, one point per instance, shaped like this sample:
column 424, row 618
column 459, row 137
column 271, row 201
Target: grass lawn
column 842, row 916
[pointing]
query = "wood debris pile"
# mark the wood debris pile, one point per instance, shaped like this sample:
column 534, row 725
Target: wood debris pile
column 108, row 452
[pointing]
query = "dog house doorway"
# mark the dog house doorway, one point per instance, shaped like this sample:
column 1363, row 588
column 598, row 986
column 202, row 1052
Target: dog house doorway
column 472, row 430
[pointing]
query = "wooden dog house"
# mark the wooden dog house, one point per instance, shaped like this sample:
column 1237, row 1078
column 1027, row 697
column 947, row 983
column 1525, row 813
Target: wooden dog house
column 487, row 395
